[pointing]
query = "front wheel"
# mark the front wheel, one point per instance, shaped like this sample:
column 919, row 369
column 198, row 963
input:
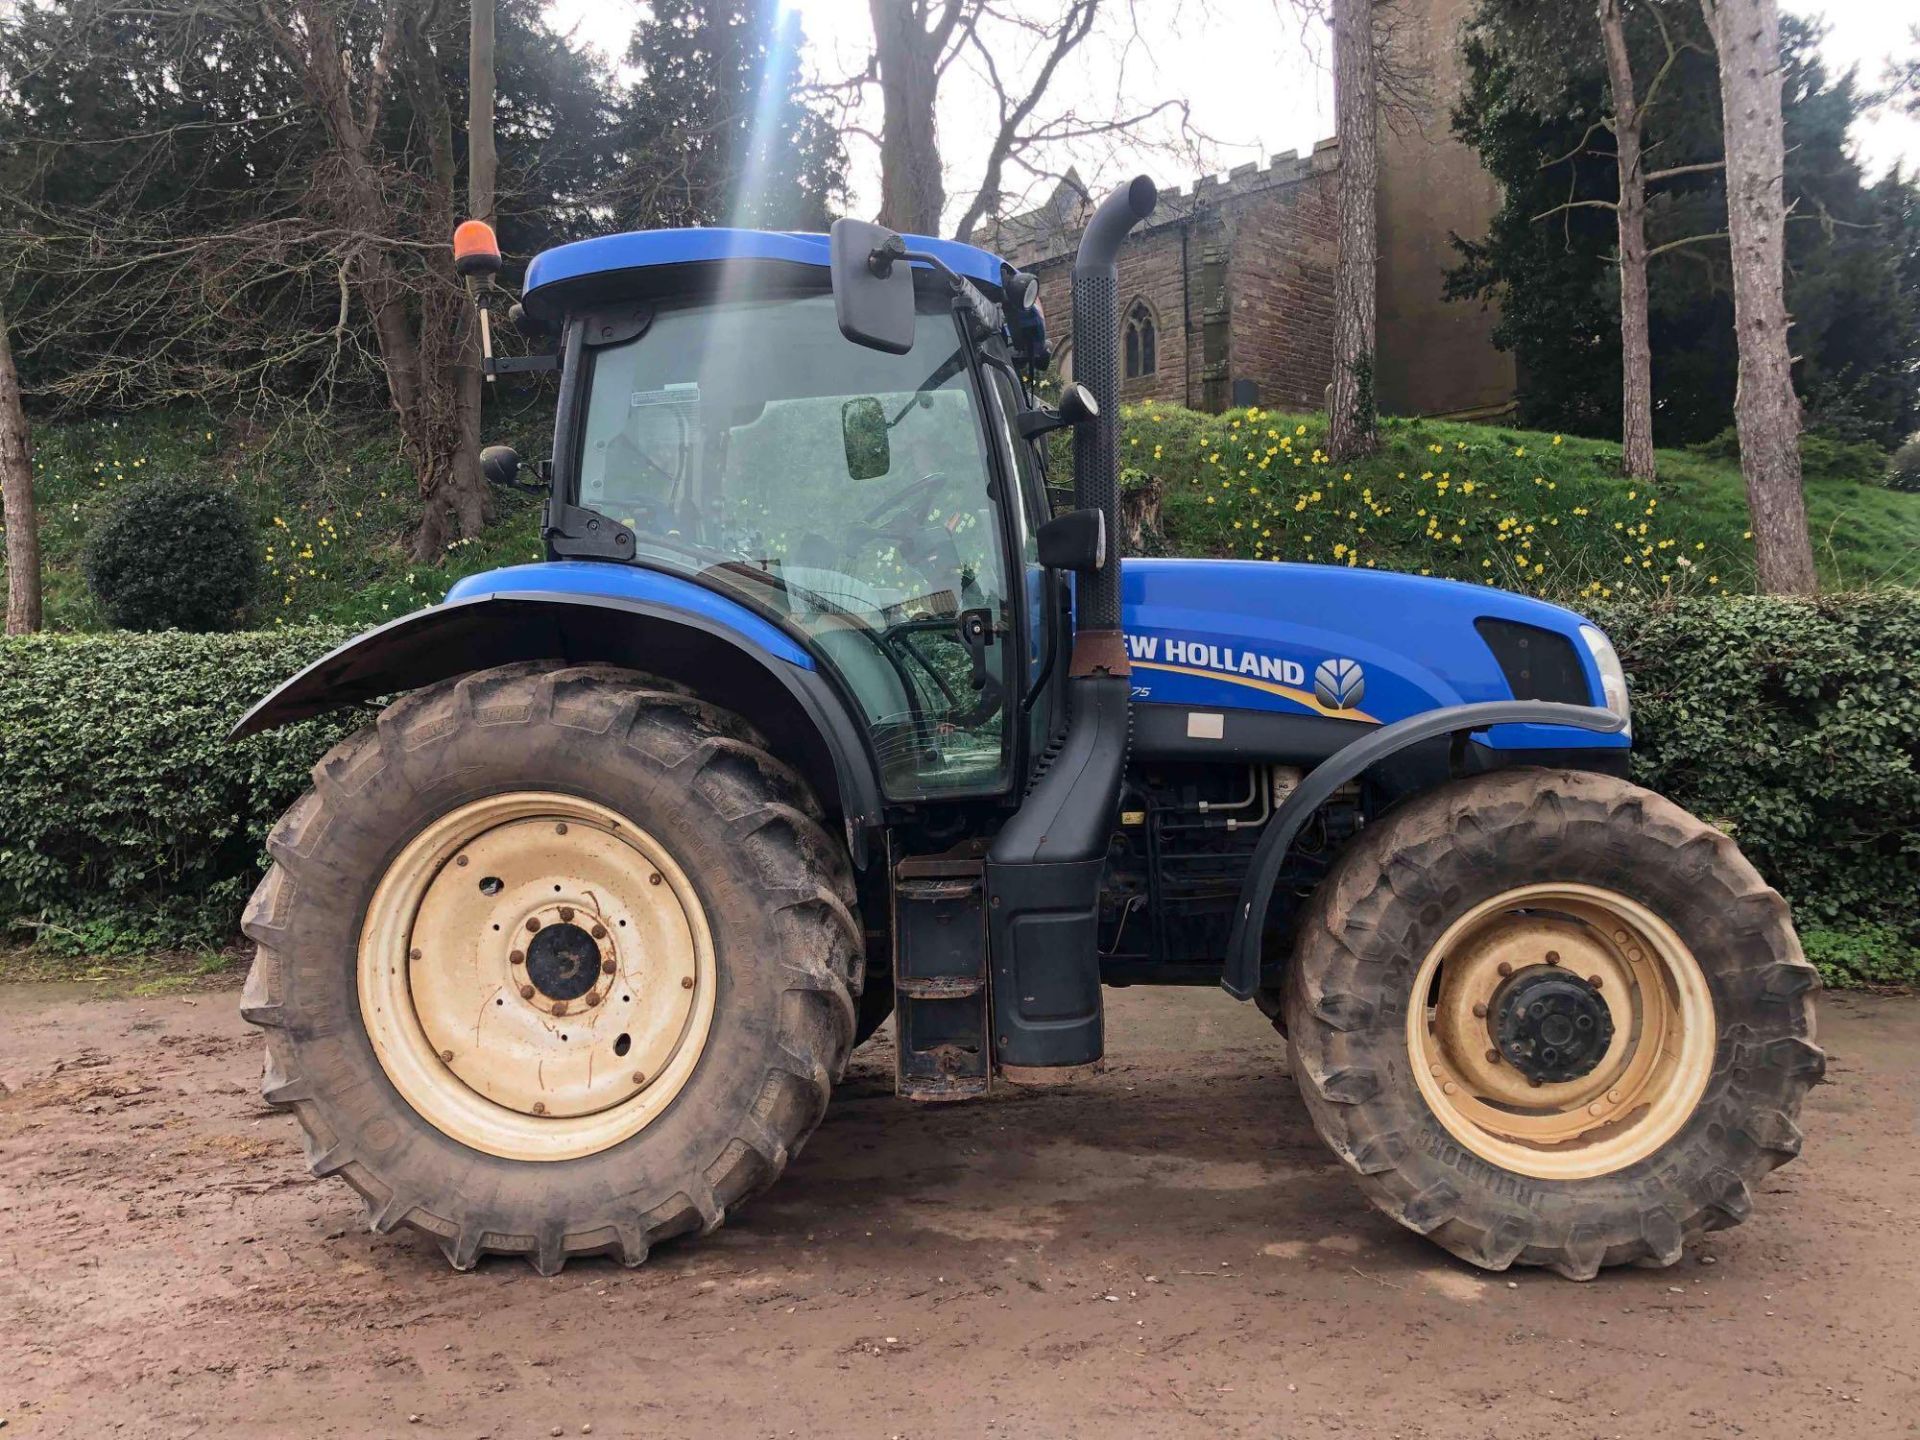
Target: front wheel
column 554, row 961
column 1552, row 1019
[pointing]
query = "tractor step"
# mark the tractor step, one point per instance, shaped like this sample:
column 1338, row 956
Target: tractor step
column 940, row 1016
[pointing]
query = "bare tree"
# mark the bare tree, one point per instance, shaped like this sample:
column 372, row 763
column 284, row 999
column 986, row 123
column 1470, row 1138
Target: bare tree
column 1766, row 411
column 1014, row 53
column 16, row 491
column 1351, row 427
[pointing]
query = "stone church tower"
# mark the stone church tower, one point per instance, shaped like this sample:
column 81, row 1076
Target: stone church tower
column 1227, row 296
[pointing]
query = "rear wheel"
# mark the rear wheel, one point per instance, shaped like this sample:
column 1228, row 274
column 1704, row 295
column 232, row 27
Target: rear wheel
column 554, row 961
column 1550, row 1018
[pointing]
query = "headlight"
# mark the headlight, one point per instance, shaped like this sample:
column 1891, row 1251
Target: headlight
column 1613, row 677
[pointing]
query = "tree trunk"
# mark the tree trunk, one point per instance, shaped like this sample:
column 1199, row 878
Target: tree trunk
column 912, row 191
column 1351, row 404
column 16, row 491
column 1636, row 351
column 1766, row 412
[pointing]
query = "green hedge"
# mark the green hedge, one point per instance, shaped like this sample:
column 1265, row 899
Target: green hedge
column 126, row 820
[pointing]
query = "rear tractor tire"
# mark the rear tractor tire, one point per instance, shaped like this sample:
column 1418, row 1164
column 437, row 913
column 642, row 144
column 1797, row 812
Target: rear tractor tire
column 1550, row 1018
column 554, row 961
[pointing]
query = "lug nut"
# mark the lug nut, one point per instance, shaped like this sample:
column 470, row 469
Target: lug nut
column 561, row 828
column 606, row 967
column 539, row 1107
column 1594, row 981
column 447, row 1055
column 592, row 998
column 518, row 957
column 654, row 878
column 1505, row 968
column 686, row 982
column 600, row 933
column 1493, row 1057
column 413, row 954
column 526, row 992
column 639, row 1077
column 1479, row 1011
column 1553, row 957
column 460, row 860
column 559, row 1007
column 566, row 912
column 533, row 923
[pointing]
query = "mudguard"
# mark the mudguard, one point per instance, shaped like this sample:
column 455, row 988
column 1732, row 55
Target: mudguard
column 742, row 662
column 1241, row 975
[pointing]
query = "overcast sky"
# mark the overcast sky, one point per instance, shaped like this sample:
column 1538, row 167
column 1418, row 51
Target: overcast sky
column 1255, row 82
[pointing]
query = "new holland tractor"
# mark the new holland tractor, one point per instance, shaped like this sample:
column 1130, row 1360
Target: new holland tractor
column 823, row 708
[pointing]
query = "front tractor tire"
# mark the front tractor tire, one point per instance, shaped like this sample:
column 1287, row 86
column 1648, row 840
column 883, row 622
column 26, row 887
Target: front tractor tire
column 554, row 961
column 1550, row 1018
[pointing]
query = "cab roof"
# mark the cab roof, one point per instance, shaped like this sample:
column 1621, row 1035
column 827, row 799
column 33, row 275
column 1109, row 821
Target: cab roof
column 585, row 262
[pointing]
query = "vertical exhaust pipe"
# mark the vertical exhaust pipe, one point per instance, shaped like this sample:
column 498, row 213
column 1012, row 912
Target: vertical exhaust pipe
column 1099, row 646
column 1044, row 869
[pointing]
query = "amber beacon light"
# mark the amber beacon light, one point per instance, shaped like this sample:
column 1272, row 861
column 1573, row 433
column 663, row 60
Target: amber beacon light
column 475, row 250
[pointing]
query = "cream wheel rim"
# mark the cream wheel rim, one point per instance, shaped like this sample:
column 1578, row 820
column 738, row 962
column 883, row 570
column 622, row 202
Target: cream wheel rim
column 1640, row 1089
column 536, row 976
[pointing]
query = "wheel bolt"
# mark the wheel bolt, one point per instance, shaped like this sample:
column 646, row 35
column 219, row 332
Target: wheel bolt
column 654, row 878
column 559, row 1007
column 1553, row 957
column 561, row 828
column 606, row 967
column 600, row 933
column 1479, row 1010
column 566, row 912
column 639, row 1077
column 1493, row 1057
column 526, row 992
column 413, row 954
column 460, row 860
column 447, row 1055
column 686, row 982
column 1594, row 981
column 518, row 957
column 592, row 998
column 539, row 1107
column 1505, row 968
column 533, row 923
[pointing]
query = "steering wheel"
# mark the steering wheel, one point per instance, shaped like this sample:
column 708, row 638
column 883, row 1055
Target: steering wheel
column 896, row 503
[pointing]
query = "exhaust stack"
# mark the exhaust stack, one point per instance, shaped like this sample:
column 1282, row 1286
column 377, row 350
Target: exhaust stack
column 1098, row 644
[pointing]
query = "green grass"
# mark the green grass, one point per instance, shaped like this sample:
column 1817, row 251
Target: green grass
column 335, row 506
column 1546, row 514
column 335, row 509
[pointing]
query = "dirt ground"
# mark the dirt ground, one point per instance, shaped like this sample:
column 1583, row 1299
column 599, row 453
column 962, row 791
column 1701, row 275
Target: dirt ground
column 1168, row 1250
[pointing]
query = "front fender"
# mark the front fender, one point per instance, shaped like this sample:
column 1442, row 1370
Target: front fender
column 1241, row 974
column 766, row 677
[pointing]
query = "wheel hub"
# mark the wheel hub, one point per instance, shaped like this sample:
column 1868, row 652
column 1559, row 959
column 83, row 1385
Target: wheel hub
column 563, row 962
column 1550, row 1025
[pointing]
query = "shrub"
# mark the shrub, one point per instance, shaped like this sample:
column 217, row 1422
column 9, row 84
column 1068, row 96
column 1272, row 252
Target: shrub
column 1824, row 454
column 1903, row 471
column 1794, row 725
column 175, row 557
column 127, row 820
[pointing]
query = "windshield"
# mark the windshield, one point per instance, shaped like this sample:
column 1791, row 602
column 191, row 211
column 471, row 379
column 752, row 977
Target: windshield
column 844, row 490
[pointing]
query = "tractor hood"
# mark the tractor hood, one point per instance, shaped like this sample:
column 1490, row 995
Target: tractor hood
column 1367, row 646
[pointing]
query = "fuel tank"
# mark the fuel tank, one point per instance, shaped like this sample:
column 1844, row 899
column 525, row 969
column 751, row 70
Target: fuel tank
column 1365, row 646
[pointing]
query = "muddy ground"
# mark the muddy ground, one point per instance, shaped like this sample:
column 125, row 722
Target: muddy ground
column 1167, row 1251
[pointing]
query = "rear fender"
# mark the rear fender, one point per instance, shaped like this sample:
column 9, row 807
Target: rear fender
column 767, row 678
column 1241, row 976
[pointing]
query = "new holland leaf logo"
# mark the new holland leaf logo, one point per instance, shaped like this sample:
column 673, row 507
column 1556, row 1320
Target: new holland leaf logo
column 1340, row 684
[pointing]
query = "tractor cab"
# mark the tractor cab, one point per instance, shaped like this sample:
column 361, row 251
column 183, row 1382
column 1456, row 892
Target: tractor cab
column 879, row 504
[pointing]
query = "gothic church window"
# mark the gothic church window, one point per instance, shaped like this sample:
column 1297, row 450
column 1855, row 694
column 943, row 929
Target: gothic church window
column 1140, row 341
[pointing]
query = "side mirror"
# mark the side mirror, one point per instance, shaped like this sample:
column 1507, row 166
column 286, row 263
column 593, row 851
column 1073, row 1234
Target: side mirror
column 1076, row 540
column 1077, row 407
column 500, row 465
column 872, row 286
column 863, row 430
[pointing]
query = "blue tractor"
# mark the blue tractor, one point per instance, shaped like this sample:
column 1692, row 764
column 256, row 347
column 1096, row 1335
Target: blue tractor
column 822, row 709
